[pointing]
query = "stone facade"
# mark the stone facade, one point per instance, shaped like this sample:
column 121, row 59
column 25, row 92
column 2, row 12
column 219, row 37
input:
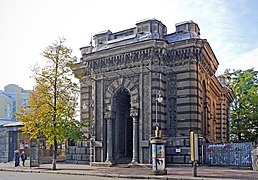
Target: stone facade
column 121, row 77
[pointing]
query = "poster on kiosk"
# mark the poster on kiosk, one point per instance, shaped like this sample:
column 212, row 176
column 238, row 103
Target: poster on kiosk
column 158, row 157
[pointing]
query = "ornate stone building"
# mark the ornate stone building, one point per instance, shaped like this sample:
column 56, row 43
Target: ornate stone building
column 122, row 76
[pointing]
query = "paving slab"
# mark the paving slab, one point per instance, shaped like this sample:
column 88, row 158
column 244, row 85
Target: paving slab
column 175, row 172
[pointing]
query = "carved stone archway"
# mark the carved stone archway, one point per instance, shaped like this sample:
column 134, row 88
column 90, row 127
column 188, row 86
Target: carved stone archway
column 122, row 95
column 122, row 126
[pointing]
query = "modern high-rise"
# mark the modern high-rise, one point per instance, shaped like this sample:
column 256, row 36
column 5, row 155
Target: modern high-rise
column 12, row 99
column 19, row 98
column 6, row 106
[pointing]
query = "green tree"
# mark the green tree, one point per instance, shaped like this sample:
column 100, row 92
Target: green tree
column 52, row 104
column 244, row 109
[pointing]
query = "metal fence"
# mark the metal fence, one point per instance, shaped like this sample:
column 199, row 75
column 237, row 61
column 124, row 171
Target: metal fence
column 229, row 154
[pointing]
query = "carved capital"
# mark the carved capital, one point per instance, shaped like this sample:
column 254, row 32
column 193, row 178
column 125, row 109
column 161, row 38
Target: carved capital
column 133, row 112
column 107, row 115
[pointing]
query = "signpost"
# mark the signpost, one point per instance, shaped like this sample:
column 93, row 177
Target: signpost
column 194, row 151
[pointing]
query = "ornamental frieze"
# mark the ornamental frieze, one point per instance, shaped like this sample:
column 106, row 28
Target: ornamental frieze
column 157, row 56
column 122, row 60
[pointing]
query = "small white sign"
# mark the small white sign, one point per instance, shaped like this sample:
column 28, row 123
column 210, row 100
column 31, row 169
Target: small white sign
column 178, row 150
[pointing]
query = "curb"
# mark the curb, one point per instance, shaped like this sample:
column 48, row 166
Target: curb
column 122, row 176
column 83, row 174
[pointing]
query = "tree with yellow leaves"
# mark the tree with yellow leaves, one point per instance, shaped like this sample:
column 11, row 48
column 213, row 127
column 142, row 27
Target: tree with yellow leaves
column 52, row 104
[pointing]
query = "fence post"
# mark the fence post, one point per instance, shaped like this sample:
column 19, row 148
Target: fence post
column 254, row 157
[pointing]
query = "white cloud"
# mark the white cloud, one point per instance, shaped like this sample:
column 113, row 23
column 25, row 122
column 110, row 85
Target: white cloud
column 245, row 61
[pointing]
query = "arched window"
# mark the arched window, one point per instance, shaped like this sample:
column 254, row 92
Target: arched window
column 204, row 123
column 213, row 122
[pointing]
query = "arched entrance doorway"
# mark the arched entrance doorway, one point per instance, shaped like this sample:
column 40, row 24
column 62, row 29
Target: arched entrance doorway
column 122, row 127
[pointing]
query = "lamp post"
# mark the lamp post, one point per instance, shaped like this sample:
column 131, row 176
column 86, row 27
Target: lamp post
column 158, row 144
column 158, row 99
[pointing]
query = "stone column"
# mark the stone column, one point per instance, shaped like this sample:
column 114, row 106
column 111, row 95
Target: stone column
column 134, row 115
column 109, row 138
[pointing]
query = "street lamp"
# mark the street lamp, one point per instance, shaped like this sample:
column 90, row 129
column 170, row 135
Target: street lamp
column 158, row 145
column 158, row 99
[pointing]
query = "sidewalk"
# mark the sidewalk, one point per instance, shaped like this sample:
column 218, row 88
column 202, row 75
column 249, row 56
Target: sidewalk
column 177, row 172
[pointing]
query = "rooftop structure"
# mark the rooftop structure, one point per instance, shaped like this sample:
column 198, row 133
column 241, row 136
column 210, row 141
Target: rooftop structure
column 144, row 30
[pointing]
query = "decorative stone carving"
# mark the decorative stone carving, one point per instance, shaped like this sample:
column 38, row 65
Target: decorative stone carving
column 107, row 115
column 121, row 61
column 86, row 81
column 133, row 112
column 171, row 105
column 146, row 108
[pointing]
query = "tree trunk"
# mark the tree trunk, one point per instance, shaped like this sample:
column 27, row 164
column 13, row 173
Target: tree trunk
column 239, row 137
column 54, row 155
column 55, row 113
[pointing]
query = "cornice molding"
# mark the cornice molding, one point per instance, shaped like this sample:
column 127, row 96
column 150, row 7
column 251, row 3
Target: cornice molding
column 157, row 53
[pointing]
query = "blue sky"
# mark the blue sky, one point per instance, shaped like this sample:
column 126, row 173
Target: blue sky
column 28, row 26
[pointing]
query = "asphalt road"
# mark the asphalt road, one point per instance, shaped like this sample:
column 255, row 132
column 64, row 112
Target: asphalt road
column 4, row 175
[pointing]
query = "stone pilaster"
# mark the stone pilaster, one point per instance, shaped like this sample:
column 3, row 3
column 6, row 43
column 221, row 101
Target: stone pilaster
column 109, row 138
column 134, row 115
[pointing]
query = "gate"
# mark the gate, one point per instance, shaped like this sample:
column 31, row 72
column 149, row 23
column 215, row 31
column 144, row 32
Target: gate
column 229, row 154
